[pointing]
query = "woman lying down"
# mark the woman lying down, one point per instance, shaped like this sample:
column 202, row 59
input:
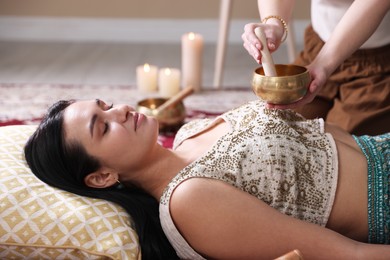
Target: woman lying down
column 253, row 183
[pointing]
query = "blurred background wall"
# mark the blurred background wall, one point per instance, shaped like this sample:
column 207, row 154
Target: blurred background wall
column 126, row 20
column 143, row 9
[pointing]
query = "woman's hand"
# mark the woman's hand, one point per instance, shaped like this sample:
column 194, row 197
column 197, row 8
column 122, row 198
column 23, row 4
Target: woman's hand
column 252, row 44
column 318, row 78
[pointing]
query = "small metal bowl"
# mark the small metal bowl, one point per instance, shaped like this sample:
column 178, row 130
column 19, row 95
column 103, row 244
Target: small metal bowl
column 289, row 86
column 169, row 119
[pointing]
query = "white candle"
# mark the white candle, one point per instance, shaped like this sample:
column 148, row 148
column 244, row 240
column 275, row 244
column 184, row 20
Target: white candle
column 168, row 82
column 191, row 60
column 147, row 78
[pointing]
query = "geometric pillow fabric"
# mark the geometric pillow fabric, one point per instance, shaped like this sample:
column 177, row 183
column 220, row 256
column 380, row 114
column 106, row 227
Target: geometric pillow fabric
column 38, row 221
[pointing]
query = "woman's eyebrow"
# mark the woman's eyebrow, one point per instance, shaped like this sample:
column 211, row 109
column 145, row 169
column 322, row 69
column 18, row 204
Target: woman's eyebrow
column 93, row 119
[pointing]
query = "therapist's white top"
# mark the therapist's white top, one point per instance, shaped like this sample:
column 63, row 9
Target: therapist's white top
column 325, row 15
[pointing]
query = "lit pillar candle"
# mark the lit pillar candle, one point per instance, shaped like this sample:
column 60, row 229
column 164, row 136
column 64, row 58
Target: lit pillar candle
column 191, row 60
column 168, row 82
column 147, row 78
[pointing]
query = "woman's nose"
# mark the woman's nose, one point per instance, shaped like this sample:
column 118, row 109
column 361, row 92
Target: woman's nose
column 121, row 112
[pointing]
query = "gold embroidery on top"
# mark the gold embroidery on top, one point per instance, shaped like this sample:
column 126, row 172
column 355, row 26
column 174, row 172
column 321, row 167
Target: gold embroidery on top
column 274, row 155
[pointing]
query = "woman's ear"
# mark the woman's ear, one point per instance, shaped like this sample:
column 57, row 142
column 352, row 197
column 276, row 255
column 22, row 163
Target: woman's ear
column 102, row 178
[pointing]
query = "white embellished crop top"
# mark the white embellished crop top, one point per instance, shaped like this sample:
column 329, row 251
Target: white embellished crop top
column 275, row 155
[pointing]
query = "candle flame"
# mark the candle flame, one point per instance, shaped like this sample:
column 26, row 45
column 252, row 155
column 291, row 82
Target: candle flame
column 191, row 36
column 146, row 67
column 167, row 71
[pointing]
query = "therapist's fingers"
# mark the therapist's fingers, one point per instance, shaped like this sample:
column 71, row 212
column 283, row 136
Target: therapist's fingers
column 251, row 42
column 249, row 35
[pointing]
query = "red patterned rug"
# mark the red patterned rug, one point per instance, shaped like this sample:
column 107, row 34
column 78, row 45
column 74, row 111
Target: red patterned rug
column 27, row 103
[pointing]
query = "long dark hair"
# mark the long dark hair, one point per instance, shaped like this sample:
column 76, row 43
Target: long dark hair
column 64, row 165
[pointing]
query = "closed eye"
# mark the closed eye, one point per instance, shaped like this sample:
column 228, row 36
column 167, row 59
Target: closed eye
column 106, row 128
column 106, row 125
column 103, row 106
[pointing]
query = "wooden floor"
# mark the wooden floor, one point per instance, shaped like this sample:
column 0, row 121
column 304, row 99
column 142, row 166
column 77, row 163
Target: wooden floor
column 113, row 63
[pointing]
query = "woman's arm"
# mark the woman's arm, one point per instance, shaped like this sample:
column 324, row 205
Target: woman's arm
column 356, row 26
column 273, row 29
column 222, row 222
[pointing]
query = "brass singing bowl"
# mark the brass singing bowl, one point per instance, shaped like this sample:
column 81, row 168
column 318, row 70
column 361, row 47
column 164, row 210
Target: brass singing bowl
column 289, row 86
column 169, row 119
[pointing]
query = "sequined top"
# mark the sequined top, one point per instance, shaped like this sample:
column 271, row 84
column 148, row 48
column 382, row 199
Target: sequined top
column 275, row 155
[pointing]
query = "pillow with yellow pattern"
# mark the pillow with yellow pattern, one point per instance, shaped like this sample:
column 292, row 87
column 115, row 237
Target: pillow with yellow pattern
column 41, row 222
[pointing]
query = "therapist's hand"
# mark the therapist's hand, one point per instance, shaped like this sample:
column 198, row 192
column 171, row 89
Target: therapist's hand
column 252, row 44
column 318, row 78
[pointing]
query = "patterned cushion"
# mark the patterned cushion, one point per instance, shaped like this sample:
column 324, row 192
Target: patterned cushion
column 41, row 222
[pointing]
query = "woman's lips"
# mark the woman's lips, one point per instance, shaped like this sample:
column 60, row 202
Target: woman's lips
column 137, row 120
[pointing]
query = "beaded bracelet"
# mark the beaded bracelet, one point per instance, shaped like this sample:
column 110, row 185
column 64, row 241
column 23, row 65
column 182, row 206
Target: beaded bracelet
column 285, row 32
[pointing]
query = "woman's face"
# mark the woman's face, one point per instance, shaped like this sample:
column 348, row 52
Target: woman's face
column 117, row 135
